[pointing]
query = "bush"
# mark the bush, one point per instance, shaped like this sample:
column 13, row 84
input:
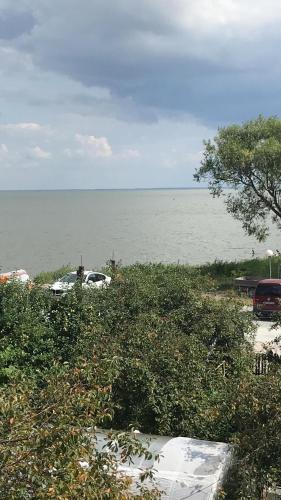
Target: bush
column 153, row 351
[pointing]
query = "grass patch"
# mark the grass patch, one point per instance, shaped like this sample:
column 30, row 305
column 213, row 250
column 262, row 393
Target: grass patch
column 252, row 267
column 50, row 276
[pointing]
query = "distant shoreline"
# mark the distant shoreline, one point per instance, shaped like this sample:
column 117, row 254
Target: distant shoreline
column 106, row 189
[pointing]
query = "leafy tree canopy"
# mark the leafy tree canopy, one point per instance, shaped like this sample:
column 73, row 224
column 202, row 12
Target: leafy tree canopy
column 154, row 351
column 247, row 159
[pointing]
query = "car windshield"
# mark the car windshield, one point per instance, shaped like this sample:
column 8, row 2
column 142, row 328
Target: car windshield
column 270, row 290
column 69, row 278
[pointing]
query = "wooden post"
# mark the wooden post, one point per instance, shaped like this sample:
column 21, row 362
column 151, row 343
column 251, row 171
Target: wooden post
column 112, row 263
column 80, row 273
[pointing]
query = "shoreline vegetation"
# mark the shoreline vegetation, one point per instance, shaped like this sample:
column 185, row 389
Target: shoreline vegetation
column 222, row 272
column 155, row 351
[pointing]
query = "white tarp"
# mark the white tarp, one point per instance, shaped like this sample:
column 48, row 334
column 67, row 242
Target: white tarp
column 187, row 468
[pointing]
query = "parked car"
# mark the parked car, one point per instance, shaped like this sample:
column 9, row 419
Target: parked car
column 90, row 279
column 267, row 298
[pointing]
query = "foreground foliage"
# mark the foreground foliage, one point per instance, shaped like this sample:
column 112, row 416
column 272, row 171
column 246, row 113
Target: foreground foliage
column 47, row 440
column 154, row 352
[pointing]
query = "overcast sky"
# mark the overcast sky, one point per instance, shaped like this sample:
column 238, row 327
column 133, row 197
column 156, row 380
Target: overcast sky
column 121, row 93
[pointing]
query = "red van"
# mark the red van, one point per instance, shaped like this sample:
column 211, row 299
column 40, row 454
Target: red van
column 267, row 297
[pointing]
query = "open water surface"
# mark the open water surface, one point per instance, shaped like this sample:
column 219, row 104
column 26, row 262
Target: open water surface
column 42, row 230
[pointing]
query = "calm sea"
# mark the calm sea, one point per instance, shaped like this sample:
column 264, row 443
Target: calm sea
column 42, row 230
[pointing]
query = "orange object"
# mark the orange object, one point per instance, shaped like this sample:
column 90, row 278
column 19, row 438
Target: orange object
column 4, row 277
column 18, row 275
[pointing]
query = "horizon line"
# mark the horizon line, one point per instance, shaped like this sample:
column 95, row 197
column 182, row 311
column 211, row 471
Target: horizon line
column 107, row 189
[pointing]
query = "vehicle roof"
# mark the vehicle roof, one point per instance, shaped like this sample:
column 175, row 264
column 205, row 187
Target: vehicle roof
column 270, row 282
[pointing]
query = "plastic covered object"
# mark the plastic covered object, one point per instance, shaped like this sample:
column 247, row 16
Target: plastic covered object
column 18, row 275
column 186, row 468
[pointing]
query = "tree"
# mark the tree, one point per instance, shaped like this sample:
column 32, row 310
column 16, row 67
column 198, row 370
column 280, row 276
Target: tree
column 247, row 159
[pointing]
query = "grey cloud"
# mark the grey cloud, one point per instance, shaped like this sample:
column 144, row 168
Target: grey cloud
column 86, row 105
column 14, row 24
column 123, row 109
column 152, row 63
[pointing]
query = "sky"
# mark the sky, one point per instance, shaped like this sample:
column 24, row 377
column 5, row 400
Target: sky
column 98, row 94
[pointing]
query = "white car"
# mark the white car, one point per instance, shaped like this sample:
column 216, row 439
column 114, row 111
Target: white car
column 90, row 279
